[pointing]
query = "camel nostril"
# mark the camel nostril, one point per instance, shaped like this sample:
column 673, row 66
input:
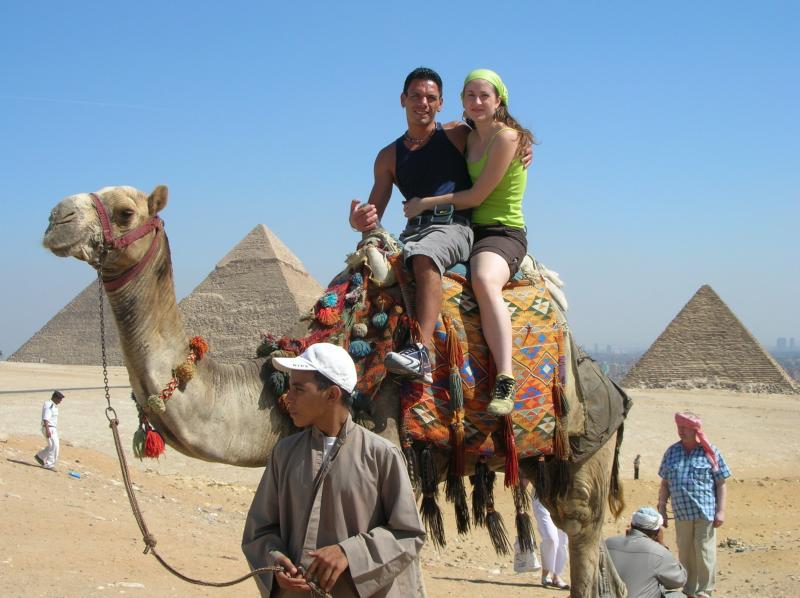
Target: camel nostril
column 62, row 217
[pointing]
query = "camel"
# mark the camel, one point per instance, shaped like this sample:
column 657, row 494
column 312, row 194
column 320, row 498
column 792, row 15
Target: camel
column 226, row 414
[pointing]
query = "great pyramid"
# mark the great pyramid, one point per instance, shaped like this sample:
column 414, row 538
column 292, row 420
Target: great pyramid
column 260, row 285
column 706, row 346
column 72, row 336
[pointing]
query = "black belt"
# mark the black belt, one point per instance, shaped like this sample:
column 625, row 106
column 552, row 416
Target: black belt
column 428, row 218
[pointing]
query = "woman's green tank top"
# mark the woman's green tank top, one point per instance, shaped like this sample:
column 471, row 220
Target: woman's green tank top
column 504, row 204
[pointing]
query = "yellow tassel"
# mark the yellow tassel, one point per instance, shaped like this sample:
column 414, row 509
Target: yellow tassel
column 183, row 373
column 156, row 404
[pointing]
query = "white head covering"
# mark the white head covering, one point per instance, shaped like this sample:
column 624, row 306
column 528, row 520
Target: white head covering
column 647, row 518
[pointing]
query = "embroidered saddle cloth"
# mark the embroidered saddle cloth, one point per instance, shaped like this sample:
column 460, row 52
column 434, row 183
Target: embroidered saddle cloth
column 536, row 351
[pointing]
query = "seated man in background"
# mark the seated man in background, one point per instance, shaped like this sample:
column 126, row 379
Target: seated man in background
column 642, row 561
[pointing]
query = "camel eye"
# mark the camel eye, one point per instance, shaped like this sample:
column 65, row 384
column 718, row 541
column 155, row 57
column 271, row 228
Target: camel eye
column 126, row 214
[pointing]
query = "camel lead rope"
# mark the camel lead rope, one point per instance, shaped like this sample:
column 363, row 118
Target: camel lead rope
column 148, row 538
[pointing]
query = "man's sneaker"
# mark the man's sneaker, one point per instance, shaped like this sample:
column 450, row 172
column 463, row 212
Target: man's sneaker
column 505, row 387
column 412, row 361
column 39, row 460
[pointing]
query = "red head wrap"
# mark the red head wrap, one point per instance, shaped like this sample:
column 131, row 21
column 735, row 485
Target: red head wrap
column 690, row 420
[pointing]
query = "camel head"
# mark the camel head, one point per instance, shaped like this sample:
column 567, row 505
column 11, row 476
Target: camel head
column 76, row 226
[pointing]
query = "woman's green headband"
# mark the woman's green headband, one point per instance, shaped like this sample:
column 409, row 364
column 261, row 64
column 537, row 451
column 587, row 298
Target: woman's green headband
column 492, row 78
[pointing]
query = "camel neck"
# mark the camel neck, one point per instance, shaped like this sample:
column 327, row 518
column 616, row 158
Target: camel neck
column 147, row 315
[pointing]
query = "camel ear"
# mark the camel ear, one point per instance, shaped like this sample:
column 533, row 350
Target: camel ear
column 157, row 200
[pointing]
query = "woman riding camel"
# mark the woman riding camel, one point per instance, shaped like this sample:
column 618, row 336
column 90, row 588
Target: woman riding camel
column 493, row 153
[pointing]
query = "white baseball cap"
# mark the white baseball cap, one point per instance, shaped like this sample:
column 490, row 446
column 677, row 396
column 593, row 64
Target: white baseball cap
column 331, row 361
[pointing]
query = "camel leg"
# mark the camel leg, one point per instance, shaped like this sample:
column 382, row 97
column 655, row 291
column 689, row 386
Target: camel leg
column 581, row 513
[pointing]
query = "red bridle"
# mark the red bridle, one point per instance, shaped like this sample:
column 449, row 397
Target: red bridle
column 109, row 242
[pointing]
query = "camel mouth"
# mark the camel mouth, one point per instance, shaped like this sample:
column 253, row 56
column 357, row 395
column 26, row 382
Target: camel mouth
column 59, row 239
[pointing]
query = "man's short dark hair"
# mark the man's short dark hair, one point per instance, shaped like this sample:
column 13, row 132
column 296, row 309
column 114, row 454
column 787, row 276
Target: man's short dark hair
column 425, row 74
column 323, row 383
column 57, row 394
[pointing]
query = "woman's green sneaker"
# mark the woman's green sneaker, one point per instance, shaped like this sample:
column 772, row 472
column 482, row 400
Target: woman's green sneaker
column 505, row 388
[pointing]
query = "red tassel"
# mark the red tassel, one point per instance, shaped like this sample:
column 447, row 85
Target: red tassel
column 153, row 444
column 199, row 347
column 512, row 463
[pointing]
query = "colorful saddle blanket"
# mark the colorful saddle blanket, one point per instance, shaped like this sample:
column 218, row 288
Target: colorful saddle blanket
column 370, row 320
column 536, row 339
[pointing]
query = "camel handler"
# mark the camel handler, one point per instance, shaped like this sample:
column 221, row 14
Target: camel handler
column 48, row 456
column 693, row 475
column 335, row 504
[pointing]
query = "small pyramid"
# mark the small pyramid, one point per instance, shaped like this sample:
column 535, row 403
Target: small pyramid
column 706, row 346
column 72, row 336
column 260, row 285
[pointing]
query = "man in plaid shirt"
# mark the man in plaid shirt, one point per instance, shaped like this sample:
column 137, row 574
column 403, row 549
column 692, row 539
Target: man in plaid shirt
column 693, row 475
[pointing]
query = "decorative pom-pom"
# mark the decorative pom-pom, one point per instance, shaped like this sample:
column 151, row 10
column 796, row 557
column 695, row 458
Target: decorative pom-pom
column 360, row 348
column 138, row 443
column 379, row 320
column 153, row 444
column 183, row 373
column 327, row 316
column 356, row 280
column 354, row 296
column 156, row 404
column 277, row 383
column 359, row 330
column 329, row 300
column 199, row 347
column 267, row 346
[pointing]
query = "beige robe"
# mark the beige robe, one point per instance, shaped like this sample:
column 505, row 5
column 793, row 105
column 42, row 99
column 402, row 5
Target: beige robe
column 365, row 505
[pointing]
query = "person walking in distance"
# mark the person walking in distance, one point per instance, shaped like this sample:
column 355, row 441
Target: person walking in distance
column 48, row 456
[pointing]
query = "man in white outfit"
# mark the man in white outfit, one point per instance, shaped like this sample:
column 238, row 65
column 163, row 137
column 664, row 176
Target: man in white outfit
column 48, row 456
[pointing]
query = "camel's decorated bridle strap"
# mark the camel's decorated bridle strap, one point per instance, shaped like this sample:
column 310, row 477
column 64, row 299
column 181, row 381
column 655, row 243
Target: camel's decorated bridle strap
column 130, row 237
column 109, row 242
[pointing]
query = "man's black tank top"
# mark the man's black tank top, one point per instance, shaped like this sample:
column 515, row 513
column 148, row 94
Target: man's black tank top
column 434, row 169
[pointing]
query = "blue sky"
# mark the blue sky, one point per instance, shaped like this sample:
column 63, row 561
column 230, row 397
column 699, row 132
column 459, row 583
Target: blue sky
column 668, row 157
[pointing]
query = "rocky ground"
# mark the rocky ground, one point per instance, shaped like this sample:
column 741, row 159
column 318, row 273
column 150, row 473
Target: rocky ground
column 75, row 536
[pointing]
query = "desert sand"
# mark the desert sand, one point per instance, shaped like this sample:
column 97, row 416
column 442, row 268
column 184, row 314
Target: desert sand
column 76, row 536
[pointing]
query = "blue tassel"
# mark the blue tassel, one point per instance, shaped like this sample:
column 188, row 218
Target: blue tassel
column 359, row 348
column 356, row 280
column 379, row 320
column 329, row 300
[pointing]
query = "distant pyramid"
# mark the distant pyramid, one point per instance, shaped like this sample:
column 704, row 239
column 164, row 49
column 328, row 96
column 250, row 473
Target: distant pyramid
column 72, row 336
column 706, row 346
column 260, row 285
